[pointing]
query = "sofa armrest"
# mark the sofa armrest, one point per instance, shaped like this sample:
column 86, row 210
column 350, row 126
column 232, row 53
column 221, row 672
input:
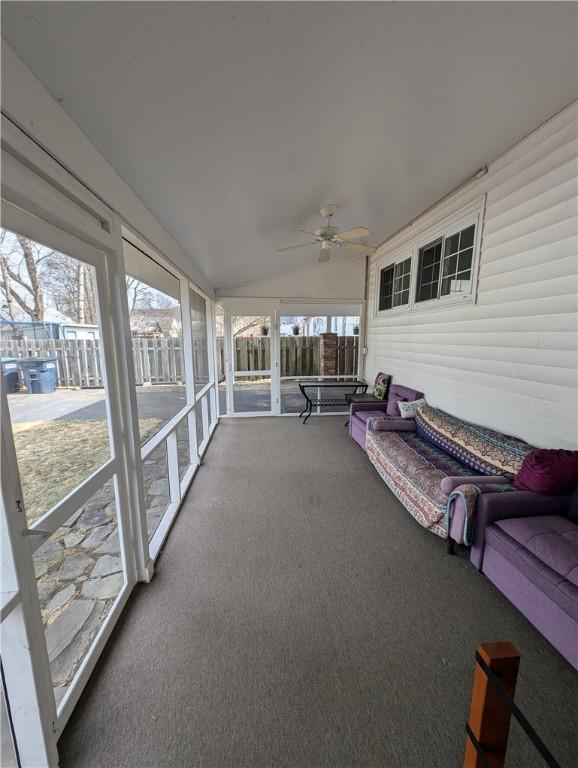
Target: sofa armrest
column 391, row 424
column 450, row 483
column 501, row 506
column 378, row 405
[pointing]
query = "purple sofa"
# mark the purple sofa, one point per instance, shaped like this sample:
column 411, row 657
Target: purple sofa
column 529, row 549
column 360, row 413
column 423, row 467
column 524, row 542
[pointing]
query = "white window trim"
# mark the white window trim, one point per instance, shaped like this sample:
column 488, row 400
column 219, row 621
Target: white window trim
column 472, row 214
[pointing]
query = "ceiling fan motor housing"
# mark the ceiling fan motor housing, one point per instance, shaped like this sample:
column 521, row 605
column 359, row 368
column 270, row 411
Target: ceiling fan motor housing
column 326, row 233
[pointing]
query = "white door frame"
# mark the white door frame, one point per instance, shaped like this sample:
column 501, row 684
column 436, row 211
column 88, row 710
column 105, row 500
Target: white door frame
column 276, row 308
column 232, row 374
column 21, row 617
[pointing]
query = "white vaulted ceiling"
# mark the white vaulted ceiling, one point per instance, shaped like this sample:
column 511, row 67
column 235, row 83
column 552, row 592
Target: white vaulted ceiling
column 234, row 122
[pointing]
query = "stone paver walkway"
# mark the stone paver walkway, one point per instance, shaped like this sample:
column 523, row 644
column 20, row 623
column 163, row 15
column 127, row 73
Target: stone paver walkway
column 79, row 569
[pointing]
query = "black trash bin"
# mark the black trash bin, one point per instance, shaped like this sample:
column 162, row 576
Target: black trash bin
column 40, row 374
column 11, row 373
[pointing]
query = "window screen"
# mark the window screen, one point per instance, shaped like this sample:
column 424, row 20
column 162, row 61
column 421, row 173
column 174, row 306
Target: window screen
column 458, row 256
column 428, row 273
column 401, row 280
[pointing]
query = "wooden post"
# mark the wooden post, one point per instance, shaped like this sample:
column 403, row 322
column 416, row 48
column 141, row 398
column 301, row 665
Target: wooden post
column 489, row 714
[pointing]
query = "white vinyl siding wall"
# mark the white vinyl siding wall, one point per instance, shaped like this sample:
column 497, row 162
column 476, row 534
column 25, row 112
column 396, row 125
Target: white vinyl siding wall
column 510, row 360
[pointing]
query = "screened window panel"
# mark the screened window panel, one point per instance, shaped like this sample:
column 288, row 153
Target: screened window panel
column 458, row 258
column 157, row 346
column 402, row 275
column 428, row 274
column 198, row 308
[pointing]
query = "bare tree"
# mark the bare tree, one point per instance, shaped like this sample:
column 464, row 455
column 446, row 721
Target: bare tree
column 71, row 287
column 139, row 296
column 20, row 267
column 34, row 277
column 243, row 324
column 6, row 287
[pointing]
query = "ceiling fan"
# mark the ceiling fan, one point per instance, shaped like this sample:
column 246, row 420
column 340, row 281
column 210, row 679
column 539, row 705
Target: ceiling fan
column 328, row 235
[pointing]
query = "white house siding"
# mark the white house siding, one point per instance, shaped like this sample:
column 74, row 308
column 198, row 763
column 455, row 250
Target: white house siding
column 510, row 360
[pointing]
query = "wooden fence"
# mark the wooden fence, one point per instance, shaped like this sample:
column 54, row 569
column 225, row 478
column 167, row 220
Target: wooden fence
column 299, row 355
column 347, row 355
column 156, row 360
column 78, row 362
column 160, row 360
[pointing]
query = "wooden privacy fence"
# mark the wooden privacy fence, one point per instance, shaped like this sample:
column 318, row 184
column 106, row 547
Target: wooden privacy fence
column 159, row 360
column 299, row 355
column 156, row 360
column 252, row 353
column 78, row 362
column 347, row 355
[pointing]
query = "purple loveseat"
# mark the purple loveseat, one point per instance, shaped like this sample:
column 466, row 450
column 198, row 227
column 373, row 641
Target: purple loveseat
column 360, row 413
column 527, row 545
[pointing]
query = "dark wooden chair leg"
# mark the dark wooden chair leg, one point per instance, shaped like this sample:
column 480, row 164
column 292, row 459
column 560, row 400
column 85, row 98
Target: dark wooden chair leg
column 451, row 545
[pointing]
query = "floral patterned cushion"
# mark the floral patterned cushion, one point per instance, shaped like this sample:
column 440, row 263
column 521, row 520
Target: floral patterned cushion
column 413, row 469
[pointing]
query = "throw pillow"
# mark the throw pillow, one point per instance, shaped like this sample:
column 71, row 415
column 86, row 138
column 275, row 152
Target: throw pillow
column 392, row 404
column 409, row 410
column 381, row 380
column 550, row 472
column 379, row 391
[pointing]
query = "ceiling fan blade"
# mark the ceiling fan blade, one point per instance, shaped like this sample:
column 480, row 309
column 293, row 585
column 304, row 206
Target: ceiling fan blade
column 324, row 254
column 367, row 250
column 306, row 231
column 291, row 247
column 353, row 234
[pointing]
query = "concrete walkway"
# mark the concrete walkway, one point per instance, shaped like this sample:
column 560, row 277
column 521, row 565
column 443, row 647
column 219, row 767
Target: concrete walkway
column 90, row 404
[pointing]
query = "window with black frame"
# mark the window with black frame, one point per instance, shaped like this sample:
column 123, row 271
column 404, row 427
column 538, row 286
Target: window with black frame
column 428, row 271
column 394, row 285
column 444, row 269
column 386, row 288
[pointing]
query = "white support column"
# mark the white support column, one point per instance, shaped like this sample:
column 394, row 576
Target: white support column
column 113, row 387
column 275, row 368
column 173, row 467
column 211, row 340
column 194, row 448
column 24, row 653
column 214, row 404
column 229, row 354
column 187, row 342
column 189, row 370
column 361, row 357
column 217, row 411
column 130, row 446
column 205, row 409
